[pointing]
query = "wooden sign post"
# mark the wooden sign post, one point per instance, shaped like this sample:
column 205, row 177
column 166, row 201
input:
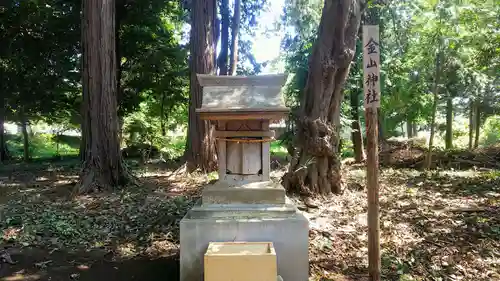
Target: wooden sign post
column 371, row 80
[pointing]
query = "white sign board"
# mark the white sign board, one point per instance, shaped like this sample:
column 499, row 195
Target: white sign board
column 371, row 66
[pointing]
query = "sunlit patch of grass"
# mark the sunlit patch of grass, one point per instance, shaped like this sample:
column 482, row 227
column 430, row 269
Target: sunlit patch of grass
column 278, row 149
column 495, row 174
column 43, row 146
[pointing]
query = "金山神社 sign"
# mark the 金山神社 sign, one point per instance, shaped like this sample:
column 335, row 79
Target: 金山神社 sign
column 371, row 66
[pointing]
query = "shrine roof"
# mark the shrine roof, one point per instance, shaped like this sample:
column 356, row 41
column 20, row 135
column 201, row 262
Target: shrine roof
column 242, row 97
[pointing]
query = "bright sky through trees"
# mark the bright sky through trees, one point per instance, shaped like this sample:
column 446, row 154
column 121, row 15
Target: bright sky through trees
column 267, row 44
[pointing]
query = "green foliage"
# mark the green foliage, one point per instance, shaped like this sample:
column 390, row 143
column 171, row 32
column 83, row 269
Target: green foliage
column 278, row 149
column 491, row 131
column 38, row 59
column 43, row 146
column 141, row 127
column 347, row 149
column 153, row 63
column 412, row 34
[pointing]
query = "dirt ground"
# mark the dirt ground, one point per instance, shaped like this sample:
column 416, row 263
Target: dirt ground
column 439, row 226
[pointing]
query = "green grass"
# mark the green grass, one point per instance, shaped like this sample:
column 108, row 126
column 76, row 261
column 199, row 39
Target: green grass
column 173, row 147
column 281, row 151
column 278, row 149
column 43, row 146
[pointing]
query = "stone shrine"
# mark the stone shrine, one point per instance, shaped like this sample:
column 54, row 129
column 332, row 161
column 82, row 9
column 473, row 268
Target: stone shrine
column 244, row 204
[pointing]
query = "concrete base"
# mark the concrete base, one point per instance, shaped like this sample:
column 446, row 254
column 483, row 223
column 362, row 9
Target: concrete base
column 289, row 234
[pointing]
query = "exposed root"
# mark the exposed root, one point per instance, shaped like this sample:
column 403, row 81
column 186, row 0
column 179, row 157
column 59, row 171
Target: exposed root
column 93, row 180
column 315, row 167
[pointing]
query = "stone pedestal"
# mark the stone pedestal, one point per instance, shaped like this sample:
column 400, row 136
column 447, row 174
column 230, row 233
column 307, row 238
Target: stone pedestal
column 244, row 205
column 277, row 223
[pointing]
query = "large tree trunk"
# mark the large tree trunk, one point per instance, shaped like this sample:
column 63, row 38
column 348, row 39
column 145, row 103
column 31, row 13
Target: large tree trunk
column 356, row 136
column 477, row 125
column 471, row 123
column 235, row 30
column 449, row 124
column 200, row 148
column 434, row 110
column 224, row 47
column 409, row 128
column 162, row 115
column 103, row 167
column 315, row 166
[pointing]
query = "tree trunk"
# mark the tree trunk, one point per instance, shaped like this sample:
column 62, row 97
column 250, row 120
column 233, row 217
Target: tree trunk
column 409, row 128
column 434, row 110
column 449, row 124
column 433, row 129
column 103, row 167
column 477, row 124
column 356, row 136
column 471, row 123
column 57, row 143
column 224, row 47
column 235, row 30
column 119, row 16
column 26, row 143
column 414, row 129
column 200, row 147
column 162, row 115
column 315, row 166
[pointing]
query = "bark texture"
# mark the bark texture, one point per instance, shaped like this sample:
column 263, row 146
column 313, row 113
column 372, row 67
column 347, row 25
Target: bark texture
column 449, row 124
column 235, row 31
column 409, row 128
column 315, row 166
column 477, row 124
column 471, row 123
column 26, row 143
column 434, row 110
column 103, row 167
column 162, row 115
column 356, row 136
column 200, row 149
column 224, row 47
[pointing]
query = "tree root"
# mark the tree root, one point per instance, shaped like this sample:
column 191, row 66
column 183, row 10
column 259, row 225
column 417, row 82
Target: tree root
column 315, row 167
column 92, row 180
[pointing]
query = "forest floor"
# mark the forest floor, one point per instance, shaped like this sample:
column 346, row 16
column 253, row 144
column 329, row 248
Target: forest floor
column 434, row 226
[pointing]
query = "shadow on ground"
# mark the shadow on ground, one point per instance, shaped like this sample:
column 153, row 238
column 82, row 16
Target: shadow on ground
column 39, row 265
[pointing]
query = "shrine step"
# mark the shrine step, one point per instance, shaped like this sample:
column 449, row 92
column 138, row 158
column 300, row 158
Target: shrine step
column 250, row 211
column 252, row 193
